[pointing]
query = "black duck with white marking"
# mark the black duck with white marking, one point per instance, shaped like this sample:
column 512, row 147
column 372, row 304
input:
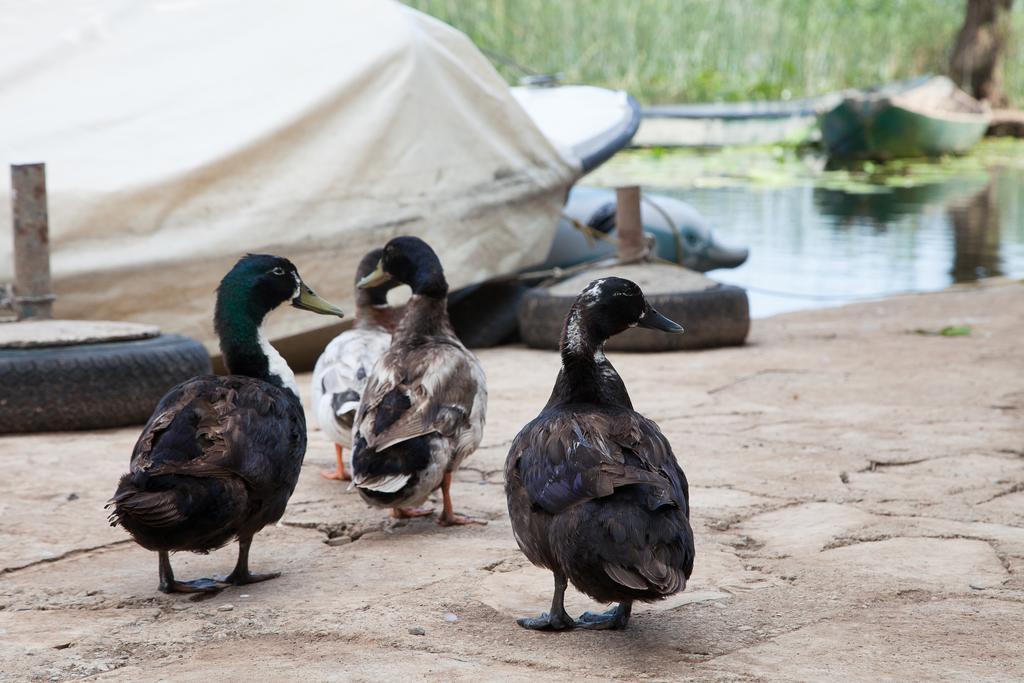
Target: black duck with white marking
column 595, row 493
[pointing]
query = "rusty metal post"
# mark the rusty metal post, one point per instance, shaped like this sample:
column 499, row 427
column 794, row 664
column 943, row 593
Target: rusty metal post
column 33, row 294
column 628, row 224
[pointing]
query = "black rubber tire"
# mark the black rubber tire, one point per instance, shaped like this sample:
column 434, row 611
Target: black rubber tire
column 714, row 317
column 93, row 386
column 486, row 317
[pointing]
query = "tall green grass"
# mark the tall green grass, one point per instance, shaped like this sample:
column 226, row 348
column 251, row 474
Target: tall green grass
column 709, row 50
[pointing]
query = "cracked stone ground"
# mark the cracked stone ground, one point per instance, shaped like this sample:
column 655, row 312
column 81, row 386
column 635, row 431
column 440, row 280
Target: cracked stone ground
column 858, row 500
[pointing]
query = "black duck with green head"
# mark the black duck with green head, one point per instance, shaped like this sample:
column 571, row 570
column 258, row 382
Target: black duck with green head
column 221, row 455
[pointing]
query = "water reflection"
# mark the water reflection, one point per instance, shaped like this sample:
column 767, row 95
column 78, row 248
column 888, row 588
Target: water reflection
column 818, row 247
column 976, row 237
column 890, row 203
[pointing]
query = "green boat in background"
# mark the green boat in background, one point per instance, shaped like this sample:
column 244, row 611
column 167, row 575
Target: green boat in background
column 929, row 118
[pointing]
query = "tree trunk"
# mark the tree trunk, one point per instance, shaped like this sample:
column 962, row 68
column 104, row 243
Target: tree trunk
column 976, row 232
column 977, row 61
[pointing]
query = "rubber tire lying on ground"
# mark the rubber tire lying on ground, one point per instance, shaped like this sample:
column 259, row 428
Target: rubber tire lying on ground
column 486, row 316
column 93, row 386
column 719, row 316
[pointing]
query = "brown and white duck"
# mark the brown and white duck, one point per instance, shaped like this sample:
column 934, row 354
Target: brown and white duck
column 422, row 411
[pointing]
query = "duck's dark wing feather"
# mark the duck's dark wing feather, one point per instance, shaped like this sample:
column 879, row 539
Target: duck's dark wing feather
column 605, row 502
column 220, row 427
column 156, row 509
column 565, row 458
column 219, row 456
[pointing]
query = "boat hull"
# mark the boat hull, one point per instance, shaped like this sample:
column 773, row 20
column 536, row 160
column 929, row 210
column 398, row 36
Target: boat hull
column 863, row 129
column 721, row 124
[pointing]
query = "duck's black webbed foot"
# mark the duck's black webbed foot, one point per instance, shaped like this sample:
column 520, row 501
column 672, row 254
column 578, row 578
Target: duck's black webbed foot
column 547, row 622
column 237, row 578
column 556, row 619
column 241, row 575
column 168, row 584
column 196, row 586
column 615, row 618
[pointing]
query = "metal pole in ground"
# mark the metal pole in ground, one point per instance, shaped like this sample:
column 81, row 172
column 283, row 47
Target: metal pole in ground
column 33, row 293
column 628, row 224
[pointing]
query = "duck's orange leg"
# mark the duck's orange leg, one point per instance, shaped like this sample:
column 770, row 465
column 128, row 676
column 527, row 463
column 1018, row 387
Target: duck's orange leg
column 448, row 516
column 339, row 473
column 409, row 513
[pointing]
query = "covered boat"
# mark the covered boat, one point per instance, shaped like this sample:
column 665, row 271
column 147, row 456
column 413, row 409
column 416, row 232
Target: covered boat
column 926, row 119
column 587, row 123
column 178, row 136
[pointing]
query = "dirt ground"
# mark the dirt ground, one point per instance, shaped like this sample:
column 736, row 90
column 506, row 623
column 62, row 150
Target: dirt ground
column 858, row 502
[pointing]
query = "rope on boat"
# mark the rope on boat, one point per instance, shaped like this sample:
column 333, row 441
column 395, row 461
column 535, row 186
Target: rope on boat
column 508, row 61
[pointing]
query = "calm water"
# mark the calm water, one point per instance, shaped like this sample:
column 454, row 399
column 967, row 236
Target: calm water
column 812, row 247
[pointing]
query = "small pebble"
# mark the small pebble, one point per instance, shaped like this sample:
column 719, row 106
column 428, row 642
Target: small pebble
column 180, row 607
column 417, row 631
column 450, row 617
column 226, row 608
column 977, row 587
column 244, row 595
column 339, row 540
column 746, row 628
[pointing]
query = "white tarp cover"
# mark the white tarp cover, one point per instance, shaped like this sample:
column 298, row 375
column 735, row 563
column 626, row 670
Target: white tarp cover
column 181, row 134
